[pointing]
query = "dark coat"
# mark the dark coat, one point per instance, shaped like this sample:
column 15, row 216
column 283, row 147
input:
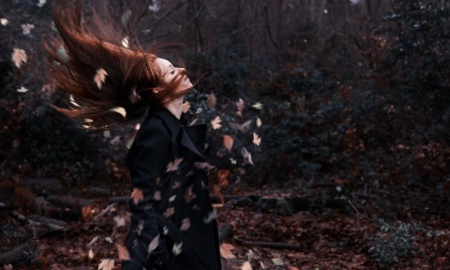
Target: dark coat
column 172, row 221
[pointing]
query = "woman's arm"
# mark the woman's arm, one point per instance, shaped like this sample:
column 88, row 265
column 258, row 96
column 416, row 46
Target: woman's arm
column 147, row 167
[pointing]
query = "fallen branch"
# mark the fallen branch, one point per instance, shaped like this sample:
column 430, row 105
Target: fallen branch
column 267, row 244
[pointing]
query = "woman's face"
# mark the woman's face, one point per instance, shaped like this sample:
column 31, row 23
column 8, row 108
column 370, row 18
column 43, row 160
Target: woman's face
column 170, row 73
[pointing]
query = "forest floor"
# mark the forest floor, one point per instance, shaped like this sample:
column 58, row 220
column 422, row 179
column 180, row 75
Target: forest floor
column 321, row 238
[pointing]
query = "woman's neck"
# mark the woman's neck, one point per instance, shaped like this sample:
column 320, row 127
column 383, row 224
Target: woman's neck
column 175, row 107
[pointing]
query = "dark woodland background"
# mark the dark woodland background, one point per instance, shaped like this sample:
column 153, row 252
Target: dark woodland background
column 355, row 105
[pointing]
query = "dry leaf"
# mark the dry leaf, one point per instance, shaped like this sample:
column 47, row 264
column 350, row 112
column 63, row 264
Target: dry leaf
column 125, row 42
column 106, row 264
column 169, row 211
column 120, row 110
column 22, row 90
column 153, row 244
column 228, row 142
column 203, row 166
column 256, row 139
column 277, row 261
column 225, row 251
column 26, row 28
column 137, row 195
column 4, row 21
column 243, row 127
column 19, row 56
column 189, row 195
column 246, row 266
column 258, row 122
column 216, row 123
column 257, row 106
column 91, row 254
column 185, row 224
column 100, row 76
column 212, row 100
column 177, row 248
column 173, row 166
column 41, row 3
column 119, row 221
column 186, row 106
column 223, row 174
column 123, row 253
column 157, row 196
column 247, row 156
column 86, row 212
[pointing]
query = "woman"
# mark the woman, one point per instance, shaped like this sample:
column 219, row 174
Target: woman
column 172, row 222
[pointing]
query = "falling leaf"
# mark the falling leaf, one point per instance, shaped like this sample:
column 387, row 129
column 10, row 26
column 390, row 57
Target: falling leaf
column 100, row 76
column 72, row 100
column 212, row 100
column 107, row 134
column 247, row 156
column 125, row 42
column 140, row 227
column 119, row 221
column 246, row 266
column 203, row 166
column 172, row 198
column 26, row 28
column 185, row 224
column 106, row 264
column 126, row 17
column 22, row 90
column 41, row 3
column 137, row 195
column 199, row 110
column 186, row 106
column 108, row 239
column 91, row 254
column 165, row 230
column 120, row 110
column 177, row 248
column 92, row 241
column 123, row 253
column 157, row 195
column 173, row 166
column 249, row 254
column 169, row 211
column 243, row 127
column 62, row 55
column 4, row 21
column 210, row 217
column 256, row 139
column 240, row 105
column 233, row 161
column 258, row 122
column 153, row 244
column 216, row 123
column 257, row 106
column 228, row 142
column 189, row 195
column 19, row 56
column 277, row 261
column 225, row 251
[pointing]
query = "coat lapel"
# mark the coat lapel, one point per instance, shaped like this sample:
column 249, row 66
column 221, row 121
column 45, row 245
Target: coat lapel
column 193, row 137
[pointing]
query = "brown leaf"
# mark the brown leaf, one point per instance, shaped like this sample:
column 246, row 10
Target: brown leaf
column 228, row 142
column 137, row 195
column 203, row 166
column 225, row 251
column 256, row 139
column 173, row 166
column 106, row 264
column 223, row 174
column 19, row 56
column 123, row 253
column 169, row 211
column 185, row 224
column 212, row 101
column 157, row 195
column 189, row 196
column 216, row 123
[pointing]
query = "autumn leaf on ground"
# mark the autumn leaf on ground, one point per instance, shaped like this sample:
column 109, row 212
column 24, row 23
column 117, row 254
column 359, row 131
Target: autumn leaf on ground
column 91, row 254
column 137, row 195
column 277, row 261
column 19, row 56
column 212, row 101
column 26, row 28
column 153, row 244
column 185, row 224
column 120, row 221
column 225, row 251
column 228, row 142
column 216, row 123
column 256, row 139
column 177, row 248
column 258, row 122
column 257, row 106
column 123, row 253
column 22, row 90
column 223, row 174
column 4, row 21
column 173, row 166
column 106, row 264
column 246, row 266
column 120, row 110
column 100, row 76
column 247, row 156
column 186, row 106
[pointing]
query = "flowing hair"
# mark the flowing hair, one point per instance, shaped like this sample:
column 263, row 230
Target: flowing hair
column 100, row 80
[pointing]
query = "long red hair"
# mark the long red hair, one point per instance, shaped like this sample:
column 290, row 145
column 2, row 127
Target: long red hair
column 96, row 75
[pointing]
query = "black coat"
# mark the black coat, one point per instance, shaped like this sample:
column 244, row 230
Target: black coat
column 172, row 221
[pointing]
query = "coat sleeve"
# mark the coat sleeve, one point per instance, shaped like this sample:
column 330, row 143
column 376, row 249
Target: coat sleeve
column 148, row 247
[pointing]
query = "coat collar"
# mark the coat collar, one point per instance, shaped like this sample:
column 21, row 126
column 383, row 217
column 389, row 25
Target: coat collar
column 193, row 137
